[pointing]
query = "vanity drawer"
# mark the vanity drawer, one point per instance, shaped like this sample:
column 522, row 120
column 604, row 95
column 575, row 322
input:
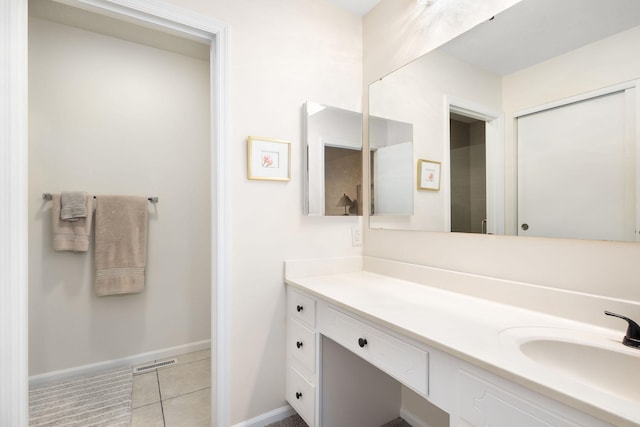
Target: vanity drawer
column 301, row 307
column 301, row 395
column 301, row 345
column 408, row 364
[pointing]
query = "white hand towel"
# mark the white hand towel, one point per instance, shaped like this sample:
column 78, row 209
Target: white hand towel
column 121, row 244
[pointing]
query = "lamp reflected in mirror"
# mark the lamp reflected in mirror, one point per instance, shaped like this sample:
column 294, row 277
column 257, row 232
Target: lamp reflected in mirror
column 345, row 202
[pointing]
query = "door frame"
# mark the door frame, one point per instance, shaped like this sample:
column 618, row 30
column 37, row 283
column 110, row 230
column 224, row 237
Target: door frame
column 14, row 190
column 494, row 159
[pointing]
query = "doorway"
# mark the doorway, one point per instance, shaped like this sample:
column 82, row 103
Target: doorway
column 474, row 163
column 467, row 153
column 13, row 403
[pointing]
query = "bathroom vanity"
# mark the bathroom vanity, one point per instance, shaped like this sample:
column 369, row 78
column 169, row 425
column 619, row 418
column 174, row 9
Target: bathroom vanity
column 483, row 362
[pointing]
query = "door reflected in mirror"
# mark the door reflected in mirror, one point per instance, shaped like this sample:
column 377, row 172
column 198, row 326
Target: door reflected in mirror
column 391, row 150
column 333, row 159
column 560, row 160
column 467, row 148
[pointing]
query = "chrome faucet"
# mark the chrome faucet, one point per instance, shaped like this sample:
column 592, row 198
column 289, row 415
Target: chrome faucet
column 632, row 338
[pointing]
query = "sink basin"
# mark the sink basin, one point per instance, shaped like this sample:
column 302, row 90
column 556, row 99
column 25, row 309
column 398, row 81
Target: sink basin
column 615, row 370
column 591, row 357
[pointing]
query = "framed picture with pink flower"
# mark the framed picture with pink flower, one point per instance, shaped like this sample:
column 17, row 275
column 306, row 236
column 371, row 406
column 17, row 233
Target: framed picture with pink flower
column 428, row 175
column 268, row 159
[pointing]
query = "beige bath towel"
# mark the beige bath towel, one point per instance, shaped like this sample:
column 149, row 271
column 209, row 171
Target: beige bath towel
column 121, row 244
column 71, row 235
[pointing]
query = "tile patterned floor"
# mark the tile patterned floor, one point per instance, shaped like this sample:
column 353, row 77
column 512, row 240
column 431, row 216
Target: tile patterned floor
column 178, row 395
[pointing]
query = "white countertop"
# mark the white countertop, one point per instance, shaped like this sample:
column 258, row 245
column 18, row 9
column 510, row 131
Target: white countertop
column 480, row 332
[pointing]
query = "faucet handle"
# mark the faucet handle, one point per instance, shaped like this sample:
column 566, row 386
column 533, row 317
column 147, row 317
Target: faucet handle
column 632, row 338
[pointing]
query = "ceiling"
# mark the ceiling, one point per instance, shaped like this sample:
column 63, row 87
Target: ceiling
column 358, row 7
column 147, row 35
column 509, row 42
column 561, row 26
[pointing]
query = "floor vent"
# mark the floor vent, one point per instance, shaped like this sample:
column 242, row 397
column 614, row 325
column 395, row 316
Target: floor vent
column 151, row 366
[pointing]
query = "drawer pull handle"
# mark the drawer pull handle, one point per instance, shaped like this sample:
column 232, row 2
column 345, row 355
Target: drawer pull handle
column 298, row 395
column 299, row 344
column 362, row 342
column 299, row 308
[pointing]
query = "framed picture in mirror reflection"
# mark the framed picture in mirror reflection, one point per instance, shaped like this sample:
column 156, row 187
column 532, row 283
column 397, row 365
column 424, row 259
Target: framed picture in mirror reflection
column 428, row 175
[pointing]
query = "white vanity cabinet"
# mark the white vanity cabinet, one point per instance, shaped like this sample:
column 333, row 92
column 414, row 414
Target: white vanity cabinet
column 472, row 396
column 398, row 360
column 302, row 356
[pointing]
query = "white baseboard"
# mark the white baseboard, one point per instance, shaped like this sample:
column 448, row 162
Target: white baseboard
column 287, row 411
column 118, row 363
column 268, row 417
column 412, row 419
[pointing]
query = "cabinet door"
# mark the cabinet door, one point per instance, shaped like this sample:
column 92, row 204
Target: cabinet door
column 484, row 404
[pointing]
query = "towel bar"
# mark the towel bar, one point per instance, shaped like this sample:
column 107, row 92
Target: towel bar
column 49, row 196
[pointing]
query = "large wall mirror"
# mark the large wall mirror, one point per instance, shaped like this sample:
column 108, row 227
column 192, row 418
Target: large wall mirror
column 333, row 159
column 532, row 118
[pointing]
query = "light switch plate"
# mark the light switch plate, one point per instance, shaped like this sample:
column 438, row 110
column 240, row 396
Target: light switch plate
column 356, row 236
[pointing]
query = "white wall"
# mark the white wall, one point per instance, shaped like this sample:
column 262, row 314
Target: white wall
column 109, row 116
column 282, row 53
